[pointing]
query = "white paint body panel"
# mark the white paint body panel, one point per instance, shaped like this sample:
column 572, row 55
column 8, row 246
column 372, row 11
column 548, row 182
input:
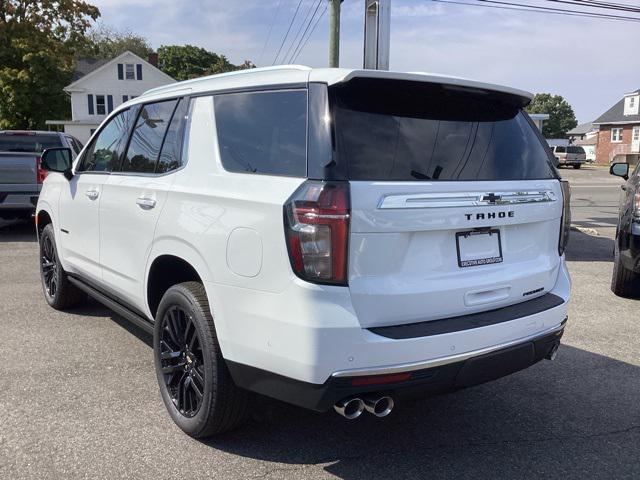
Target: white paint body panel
column 229, row 228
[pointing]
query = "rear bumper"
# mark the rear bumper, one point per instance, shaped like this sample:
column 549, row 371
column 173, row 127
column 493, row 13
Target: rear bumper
column 311, row 334
column 18, row 202
column 436, row 376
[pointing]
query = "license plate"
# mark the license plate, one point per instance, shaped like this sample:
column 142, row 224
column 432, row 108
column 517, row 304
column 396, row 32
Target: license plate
column 478, row 247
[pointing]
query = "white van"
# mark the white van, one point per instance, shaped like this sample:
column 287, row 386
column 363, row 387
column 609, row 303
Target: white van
column 331, row 238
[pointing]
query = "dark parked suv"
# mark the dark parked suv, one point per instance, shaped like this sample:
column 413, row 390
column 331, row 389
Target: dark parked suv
column 626, row 266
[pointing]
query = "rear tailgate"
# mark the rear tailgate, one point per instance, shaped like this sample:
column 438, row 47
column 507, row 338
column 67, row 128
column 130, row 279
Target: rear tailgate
column 412, row 257
column 456, row 207
column 18, row 169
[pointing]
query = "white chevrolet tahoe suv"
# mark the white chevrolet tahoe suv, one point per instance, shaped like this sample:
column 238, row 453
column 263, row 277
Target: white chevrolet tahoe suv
column 331, row 238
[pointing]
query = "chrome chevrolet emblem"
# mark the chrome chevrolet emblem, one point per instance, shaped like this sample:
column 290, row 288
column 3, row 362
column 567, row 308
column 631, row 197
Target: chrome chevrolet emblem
column 492, row 198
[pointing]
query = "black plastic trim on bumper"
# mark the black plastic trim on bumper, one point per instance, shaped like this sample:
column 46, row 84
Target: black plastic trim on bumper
column 452, row 376
column 467, row 322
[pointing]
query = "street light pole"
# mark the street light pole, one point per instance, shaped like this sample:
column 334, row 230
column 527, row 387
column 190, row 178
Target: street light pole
column 334, row 33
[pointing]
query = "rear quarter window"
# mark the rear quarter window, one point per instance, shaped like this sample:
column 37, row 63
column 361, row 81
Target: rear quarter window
column 578, row 150
column 411, row 131
column 263, row 132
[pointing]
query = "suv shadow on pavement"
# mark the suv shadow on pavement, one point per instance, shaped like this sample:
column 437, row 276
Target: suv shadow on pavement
column 589, row 248
column 577, row 418
column 17, row 231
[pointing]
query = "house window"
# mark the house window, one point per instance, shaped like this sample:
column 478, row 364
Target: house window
column 636, row 134
column 130, row 71
column 632, row 102
column 101, row 108
column 616, row 134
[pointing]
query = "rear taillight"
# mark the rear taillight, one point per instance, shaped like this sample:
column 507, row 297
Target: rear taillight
column 41, row 173
column 316, row 222
column 565, row 222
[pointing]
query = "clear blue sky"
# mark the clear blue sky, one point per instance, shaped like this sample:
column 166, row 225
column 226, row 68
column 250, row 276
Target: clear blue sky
column 590, row 62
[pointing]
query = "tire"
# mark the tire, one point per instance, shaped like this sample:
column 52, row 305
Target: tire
column 194, row 381
column 624, row 282
column 58, row 291
column 577, row 166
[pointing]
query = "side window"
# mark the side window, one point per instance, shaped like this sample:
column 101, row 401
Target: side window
column 148, row 134
column 171, row 155
column 103, row 155
column 560, row 150
column 263, row 132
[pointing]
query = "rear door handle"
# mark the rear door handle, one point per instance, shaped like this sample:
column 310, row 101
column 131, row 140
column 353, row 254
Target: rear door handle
column 92, row 194
column 146, row 203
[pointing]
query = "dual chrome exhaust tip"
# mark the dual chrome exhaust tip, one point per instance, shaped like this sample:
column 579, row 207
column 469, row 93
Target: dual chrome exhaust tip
column 352, row 407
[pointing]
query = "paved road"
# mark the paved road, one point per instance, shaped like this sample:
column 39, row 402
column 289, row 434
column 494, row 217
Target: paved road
column 79, row 396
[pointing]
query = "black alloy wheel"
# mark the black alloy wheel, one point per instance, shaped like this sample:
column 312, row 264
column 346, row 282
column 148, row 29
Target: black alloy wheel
column 195, row 383
column 182, row 361
column 58, row 290
column 49, row 264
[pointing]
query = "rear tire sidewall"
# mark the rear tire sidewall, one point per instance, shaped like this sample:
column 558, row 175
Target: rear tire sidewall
column 190, row 425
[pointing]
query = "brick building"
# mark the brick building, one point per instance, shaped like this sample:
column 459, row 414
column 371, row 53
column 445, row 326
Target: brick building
column 619, row 131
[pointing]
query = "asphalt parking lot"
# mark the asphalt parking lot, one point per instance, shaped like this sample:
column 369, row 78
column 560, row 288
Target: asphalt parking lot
column 79, row 397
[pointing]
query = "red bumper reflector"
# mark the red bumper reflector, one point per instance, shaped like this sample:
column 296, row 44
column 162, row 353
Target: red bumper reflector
column 380, row 379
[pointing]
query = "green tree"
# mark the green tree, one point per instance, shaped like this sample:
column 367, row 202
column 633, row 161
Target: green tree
column 107, row 42
column 38, row 39
column 183, row 62
column 561, row 116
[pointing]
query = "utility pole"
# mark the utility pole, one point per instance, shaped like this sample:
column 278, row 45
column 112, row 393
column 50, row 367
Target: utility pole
column 377, row 34
column 334, row 33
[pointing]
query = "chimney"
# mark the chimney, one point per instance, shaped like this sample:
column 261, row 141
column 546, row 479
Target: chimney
column 153, row 59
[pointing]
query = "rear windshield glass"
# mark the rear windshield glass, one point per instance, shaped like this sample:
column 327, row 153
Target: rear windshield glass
column 575, row 150
column 28, row 143
column 398, row 131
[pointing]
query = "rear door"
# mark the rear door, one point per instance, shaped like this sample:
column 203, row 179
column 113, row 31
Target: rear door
column 134, row 197
column 455, row 205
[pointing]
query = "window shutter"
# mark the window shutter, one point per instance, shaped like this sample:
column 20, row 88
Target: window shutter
column 90, row 104
column 109, row 103
column 139, row 70
column 125, row 98
column 120, row 71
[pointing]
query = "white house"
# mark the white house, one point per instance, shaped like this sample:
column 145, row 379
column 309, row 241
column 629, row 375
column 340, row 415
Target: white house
column 101, row 85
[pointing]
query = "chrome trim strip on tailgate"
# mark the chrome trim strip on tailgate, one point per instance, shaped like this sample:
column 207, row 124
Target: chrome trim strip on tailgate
column 437, row 362
column 465, row 199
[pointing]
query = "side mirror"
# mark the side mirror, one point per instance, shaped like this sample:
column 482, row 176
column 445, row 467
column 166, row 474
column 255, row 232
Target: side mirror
column 620, row 170
column 57, row 160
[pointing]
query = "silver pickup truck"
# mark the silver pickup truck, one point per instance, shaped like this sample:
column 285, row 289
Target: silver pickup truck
column 20, row 174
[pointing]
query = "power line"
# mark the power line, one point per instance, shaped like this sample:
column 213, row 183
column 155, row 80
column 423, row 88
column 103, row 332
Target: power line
column 273, row 21
column 529, row 9
column 295, row 37
column 306, row 30
column 552, row 9
column 611, row 4
column 310, row 33
column 603, row 6
column 295, row 14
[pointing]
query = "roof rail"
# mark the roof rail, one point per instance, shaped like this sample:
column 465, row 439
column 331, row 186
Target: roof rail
column 247, row 71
